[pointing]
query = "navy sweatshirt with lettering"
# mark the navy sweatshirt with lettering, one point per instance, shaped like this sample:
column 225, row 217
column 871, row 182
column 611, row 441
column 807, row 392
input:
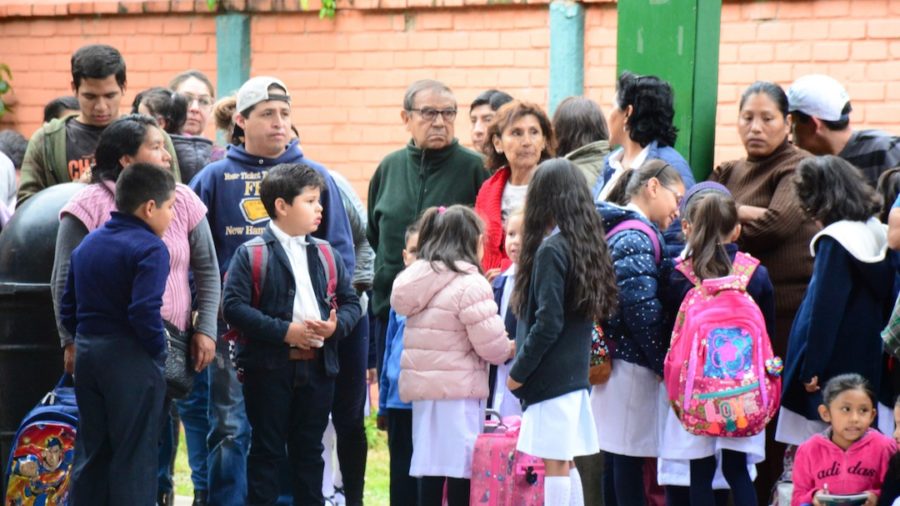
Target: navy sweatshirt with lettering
column 230, row 190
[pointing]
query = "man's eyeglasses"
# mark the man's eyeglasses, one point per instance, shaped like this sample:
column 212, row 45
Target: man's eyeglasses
column 430, row 114
column 204, row 101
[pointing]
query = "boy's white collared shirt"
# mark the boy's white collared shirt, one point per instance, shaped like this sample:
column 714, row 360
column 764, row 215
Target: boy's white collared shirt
column 306, row 307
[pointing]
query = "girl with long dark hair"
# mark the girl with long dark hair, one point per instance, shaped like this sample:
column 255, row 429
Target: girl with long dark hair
column 565, row 282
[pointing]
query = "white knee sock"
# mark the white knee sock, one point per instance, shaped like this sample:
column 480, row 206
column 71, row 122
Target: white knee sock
column 576, row 498
column 557, row 490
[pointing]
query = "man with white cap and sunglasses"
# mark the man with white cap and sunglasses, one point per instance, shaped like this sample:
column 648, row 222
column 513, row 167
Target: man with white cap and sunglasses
column 821, row 108
column 230, row 190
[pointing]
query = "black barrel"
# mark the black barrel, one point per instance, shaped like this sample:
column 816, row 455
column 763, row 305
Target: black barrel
column 30, row 357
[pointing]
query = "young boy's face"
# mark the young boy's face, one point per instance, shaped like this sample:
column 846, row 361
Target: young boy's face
column 513, row 241
column 410, row 252
column 303, row 215
column 160, row 217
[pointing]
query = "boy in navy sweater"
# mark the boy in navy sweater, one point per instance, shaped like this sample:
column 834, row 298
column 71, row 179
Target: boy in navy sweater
column 111, row 305
column 289, row 335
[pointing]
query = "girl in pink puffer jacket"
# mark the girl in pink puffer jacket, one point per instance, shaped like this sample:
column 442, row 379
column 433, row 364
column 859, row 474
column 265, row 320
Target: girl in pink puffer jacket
column 452, row 331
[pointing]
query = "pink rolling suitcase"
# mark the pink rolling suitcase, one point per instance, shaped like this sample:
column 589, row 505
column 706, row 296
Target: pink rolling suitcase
column 501, row 475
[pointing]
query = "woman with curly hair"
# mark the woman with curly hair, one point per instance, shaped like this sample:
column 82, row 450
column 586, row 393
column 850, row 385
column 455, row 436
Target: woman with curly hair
column 566, row 281
column 519, row 138
column 641, row 124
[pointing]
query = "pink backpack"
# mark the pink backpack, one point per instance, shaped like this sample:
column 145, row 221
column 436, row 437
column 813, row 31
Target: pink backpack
column 720, row 372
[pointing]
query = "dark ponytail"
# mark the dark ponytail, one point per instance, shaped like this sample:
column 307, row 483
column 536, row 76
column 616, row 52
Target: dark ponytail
column 632, row 180
column 712, row 216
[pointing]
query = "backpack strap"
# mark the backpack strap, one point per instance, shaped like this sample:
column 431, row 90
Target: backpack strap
column 686, row 267
column 640, row 226
column 743, row 268
column 259, row 259
column 326, row 257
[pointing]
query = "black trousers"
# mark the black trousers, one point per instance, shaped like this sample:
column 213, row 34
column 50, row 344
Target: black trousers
column 403, row 486
column 431, row 491
column 348, row 411
column 120, row 391
column 288, row 412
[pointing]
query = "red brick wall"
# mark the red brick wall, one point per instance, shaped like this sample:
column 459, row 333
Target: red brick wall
column 348, row 79
column 347, row 76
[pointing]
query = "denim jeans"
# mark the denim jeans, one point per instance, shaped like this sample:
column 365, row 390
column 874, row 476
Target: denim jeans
column 229, row 431
column 194, row 413
column 168, row 443
column 288, row 408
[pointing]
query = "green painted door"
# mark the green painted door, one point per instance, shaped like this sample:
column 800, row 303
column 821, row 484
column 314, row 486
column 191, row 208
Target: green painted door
column 678, row 40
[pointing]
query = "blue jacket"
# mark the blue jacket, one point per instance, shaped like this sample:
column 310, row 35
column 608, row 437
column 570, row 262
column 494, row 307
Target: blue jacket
column 639, row 327
column 668, row 154
column 265, row 327
column 760, row 288
column 838, row 326
column 388, row 383
column 230, row 190
column 116, row 283
column 498, row 286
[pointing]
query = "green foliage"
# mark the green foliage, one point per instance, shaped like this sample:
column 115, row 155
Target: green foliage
column 328, row 10
column 5, row 77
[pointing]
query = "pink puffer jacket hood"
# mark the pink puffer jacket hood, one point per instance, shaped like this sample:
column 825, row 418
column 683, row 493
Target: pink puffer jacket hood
column 452, row 328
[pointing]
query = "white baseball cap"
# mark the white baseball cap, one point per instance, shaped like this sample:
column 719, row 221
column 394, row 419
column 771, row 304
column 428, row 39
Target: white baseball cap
column 819, row 96
column 256, row 90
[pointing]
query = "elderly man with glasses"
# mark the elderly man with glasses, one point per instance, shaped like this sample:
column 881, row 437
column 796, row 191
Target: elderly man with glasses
column 432, row 170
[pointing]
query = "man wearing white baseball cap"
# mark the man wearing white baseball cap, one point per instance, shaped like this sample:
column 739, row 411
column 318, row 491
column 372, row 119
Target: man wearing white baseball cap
column 821, row 108
column 230, row 190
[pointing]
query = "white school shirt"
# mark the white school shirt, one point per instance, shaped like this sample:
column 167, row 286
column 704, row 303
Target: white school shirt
column 615, row 162
column 306, row 306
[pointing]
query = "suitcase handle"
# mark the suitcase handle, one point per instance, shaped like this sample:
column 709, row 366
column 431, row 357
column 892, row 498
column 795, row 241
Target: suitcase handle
column 501, row 427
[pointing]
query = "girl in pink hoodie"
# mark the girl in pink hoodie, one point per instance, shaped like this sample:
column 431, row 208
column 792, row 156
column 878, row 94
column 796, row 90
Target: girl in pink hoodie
column 848, row 458
column 452, row 331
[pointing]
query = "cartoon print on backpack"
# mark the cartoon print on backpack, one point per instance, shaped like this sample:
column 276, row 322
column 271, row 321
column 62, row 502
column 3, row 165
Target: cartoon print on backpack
column 40, row 461
column 729, row 354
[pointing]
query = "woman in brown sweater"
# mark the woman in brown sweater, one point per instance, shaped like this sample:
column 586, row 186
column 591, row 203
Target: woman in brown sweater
column 774, row 228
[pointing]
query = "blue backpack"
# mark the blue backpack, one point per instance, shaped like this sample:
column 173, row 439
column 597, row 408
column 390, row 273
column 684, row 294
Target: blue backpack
column 40, row 462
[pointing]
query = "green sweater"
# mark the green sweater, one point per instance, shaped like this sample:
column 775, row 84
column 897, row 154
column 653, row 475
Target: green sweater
column 407, row 182
column 44, row 164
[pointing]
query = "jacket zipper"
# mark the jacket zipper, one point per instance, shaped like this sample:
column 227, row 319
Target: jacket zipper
column 421, row 184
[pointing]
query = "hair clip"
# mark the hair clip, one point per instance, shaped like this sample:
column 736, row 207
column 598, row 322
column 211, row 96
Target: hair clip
column 442, row 210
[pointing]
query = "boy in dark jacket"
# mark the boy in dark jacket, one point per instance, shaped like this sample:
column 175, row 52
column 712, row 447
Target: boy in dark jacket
column 289, row 334
column 111, row 305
